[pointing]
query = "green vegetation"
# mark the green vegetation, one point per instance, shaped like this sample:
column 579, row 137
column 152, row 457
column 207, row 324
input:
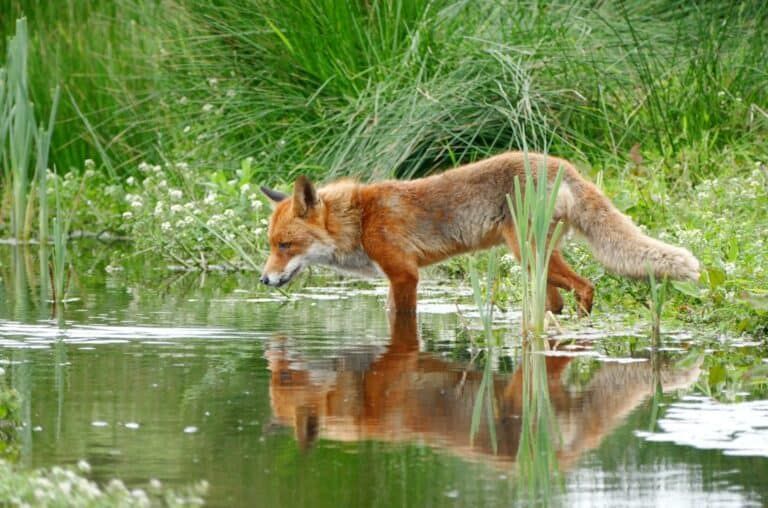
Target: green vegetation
column 533, row 209
column 10, row 420
column 69, row 487
column 187, row 106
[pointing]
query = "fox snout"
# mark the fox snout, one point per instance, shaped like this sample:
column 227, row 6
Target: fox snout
column 278, row 279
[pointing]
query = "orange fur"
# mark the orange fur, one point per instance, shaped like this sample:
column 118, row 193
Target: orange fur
column 403, row 394
column 393, row 228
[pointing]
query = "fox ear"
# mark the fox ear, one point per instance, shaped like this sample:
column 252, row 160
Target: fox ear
column 274, row 196
column 304, row 196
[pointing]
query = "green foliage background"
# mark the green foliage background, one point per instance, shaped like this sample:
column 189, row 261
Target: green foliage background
column 192, row 104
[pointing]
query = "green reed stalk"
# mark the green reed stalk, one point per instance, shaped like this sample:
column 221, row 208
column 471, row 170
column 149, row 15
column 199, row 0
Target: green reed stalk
column 19, row 122
column 4, row 126
column 533, row 212
column 658, row 295
column 43, row 142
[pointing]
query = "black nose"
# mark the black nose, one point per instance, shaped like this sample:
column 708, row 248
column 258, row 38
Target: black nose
column 264, row 279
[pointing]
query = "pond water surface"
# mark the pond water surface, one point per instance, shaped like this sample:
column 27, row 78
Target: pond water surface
column 316, row 399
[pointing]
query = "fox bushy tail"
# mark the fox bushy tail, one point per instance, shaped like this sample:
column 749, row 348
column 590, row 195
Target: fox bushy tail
column 616, row 241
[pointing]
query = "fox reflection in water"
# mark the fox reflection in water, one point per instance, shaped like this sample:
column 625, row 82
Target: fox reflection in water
column 403, row 394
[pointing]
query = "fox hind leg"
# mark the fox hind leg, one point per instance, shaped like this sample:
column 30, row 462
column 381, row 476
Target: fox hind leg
column 562, row 276
column 554, row 299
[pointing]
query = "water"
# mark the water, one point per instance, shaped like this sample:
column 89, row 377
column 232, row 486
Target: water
column 316, row 400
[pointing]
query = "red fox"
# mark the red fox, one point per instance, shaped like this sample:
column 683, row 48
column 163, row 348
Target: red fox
column 393, row 228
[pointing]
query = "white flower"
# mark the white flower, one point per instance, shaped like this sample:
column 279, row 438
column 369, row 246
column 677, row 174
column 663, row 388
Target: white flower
column 116, row 484
column 175, row 194
column 231, row 93
column 65, row 487
column 187, row 129
column 183, row 99
column 89, row 164
column 127, row 215
column 165, row 226
column 207, row 107
column 137, row 203
column 83, row 466
column 210, row 198
column 130, row 180
column 213, row 82
column 245, row 188
column 229, row 213
column 176, row 208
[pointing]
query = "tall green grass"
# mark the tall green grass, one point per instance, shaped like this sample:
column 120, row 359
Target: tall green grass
column 106, row 54
column 446, row 77
column 394, row 87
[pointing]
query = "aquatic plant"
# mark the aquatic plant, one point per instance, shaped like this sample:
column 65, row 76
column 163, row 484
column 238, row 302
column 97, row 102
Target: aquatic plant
column 485, row 392
column 540, row 438
column 533, row 210
column 17, row 127
column 10, row 422
column 657, row 298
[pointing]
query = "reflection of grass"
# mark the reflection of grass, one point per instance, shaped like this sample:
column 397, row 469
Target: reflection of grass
column 485, row 393
column 539, row 434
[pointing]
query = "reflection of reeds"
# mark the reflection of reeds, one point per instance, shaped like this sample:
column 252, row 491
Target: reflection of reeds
column 485, row 395
column 60, row 227
column 533, row 209
column 539, row 434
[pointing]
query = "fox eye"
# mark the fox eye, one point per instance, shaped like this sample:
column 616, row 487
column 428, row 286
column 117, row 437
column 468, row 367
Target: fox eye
column 284, row 246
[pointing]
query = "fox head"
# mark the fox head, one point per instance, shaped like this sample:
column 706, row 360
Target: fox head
column 297, row 236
